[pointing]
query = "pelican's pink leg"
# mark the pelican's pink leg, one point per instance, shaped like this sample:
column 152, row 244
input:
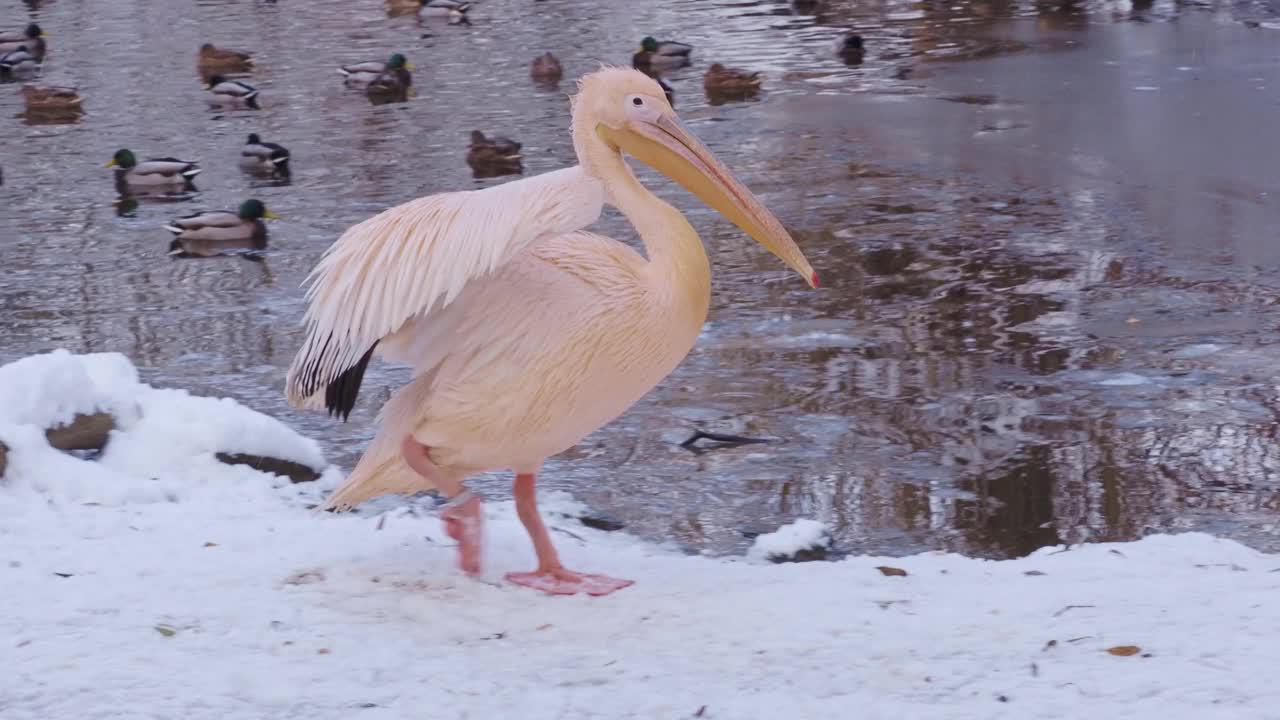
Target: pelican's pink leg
column 462, row 516
column 551, row 577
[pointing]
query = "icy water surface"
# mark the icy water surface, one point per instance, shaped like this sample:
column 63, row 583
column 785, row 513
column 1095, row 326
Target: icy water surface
column 1046, row 234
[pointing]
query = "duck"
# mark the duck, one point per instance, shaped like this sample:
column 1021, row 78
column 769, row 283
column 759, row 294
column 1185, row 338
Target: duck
column 206, row 234
column 546, row 67
column 647, row 69
column 721, row 79
column 662, row 53
column 224, row 92
column 264, row 157
column 18, row 62
column 850, row 48
column 51, row 99
column 393, row 83
column 152, row 173
column 491, row 156
column 454, row 10
column 32, row 39
column 360, row 74
column 211, row 56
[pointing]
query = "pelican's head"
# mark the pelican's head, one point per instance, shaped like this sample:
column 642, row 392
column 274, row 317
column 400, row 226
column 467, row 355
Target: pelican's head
column 629, row 112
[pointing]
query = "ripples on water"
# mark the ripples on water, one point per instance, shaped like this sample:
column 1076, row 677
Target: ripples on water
column 1048, row 259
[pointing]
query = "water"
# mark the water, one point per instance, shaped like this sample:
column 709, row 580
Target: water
column 1045, row 234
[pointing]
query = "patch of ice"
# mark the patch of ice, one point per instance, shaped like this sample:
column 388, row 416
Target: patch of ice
column 1198, row 350
column 1124, row 379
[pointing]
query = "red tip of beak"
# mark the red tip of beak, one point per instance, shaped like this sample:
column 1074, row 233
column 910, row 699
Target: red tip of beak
column 814, row 280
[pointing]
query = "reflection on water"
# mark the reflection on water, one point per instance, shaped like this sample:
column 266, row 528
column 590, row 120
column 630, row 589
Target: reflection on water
column 1048, row 262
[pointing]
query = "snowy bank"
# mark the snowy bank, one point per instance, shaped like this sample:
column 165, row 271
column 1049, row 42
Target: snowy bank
column 168, row 435
column 224, row 597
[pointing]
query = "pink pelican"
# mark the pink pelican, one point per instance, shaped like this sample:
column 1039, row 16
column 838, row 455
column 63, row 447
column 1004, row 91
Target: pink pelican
column 525, row 332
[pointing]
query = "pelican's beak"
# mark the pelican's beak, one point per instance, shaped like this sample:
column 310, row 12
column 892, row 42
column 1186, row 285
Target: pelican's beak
column 667, row 146
column 111, row 162
column 270, row 215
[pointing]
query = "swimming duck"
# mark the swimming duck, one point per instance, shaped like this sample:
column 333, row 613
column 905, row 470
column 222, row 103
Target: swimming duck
column 51, row 99
column 661, row 53
column 224, row 92
column 546, row 67
column 32, row 38
column 492, row 156
column 850, row 48
column 454, row 10
column 206, row 234
column 264, row 157
column 211, row 56
column 393, row 84
column 153, row 173
column 18, row 62
column 359, row 74
column 730, row 80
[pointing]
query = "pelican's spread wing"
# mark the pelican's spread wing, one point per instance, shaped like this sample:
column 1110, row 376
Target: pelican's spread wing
column 412, row 258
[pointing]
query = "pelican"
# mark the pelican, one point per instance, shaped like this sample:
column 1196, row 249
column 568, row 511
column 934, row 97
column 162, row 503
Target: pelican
column 525, row 332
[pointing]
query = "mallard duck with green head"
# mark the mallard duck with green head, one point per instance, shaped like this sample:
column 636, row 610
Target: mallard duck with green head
column 661, row 53
column 393, row 83
column 18, row 62
column 231, row 93
column 220, row 232
column 454, row 11
column 361, row 74
column 153, row 173
column 264, row 157
column 31, row 38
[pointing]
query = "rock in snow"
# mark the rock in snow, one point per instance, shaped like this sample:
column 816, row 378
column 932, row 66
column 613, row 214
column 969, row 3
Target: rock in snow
column 62, row 401
column 801, row 541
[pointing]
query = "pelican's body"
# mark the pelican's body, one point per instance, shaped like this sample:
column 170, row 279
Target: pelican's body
column 525, row 332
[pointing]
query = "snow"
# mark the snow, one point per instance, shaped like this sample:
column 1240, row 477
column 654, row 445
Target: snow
column 164, row 443
column 227, row 597
column 790, row 539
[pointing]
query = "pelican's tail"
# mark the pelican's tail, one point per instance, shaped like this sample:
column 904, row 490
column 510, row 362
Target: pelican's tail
column 382, row 469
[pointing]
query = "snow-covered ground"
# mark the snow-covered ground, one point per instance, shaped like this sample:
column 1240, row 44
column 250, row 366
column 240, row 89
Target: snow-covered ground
column 144, row 587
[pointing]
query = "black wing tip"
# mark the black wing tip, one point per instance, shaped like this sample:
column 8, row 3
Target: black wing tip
column 340, row 395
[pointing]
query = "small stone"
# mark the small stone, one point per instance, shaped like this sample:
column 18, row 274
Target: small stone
column 602, row 521
column 84, row 432
column 296, row 472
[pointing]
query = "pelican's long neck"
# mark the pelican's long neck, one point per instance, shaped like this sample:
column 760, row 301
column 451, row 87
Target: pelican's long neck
column 678, row 267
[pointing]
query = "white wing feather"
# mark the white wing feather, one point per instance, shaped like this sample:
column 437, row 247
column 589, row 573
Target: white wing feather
column 417, row 256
